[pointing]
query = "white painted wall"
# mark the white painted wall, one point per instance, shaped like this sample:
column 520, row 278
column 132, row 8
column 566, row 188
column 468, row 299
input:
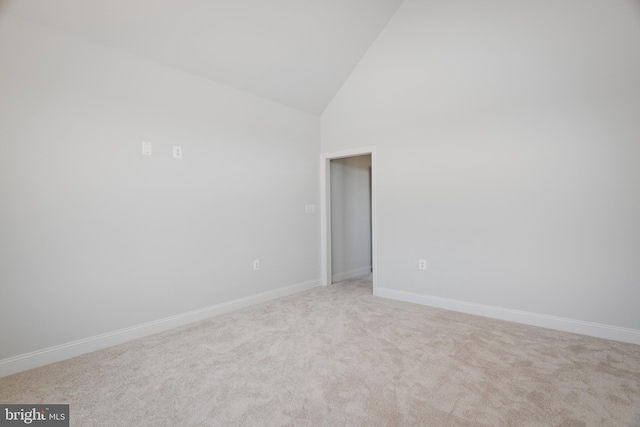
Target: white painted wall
column 508, row 142
column 95, row 237
column 350, row 217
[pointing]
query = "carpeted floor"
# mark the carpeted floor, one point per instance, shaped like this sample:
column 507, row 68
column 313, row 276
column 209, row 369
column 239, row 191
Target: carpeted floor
column 340, row 356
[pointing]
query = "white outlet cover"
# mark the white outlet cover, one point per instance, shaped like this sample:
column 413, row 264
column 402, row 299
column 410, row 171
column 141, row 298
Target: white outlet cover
column 146, row 148
column 177, row 152
column 309, row 208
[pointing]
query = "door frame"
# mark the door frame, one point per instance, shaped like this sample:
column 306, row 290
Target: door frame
column 325, row 209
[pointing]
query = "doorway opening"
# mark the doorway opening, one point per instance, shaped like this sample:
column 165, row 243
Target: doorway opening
column 348, row 215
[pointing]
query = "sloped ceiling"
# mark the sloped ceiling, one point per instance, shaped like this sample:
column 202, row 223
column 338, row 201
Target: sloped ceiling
column 295, row 52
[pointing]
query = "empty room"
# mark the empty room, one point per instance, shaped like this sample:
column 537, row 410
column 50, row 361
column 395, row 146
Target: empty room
column 320, row 213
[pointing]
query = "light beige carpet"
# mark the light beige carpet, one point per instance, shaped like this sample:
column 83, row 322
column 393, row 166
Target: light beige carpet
column 340, row 356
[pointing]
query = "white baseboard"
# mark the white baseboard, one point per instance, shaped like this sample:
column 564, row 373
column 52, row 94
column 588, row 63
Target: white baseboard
column 35, row 359
column 338, row 277
column 534, row 319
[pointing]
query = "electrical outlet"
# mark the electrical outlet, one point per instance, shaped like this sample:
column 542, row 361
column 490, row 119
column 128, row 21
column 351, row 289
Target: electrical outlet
column 256, row 264
column 177, row 152
column 422, row 264
column 309, row 208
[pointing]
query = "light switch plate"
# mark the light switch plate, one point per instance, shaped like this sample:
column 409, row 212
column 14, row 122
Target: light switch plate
column 146, row 148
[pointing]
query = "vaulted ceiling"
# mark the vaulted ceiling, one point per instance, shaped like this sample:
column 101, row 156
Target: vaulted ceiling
column 295, row 52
